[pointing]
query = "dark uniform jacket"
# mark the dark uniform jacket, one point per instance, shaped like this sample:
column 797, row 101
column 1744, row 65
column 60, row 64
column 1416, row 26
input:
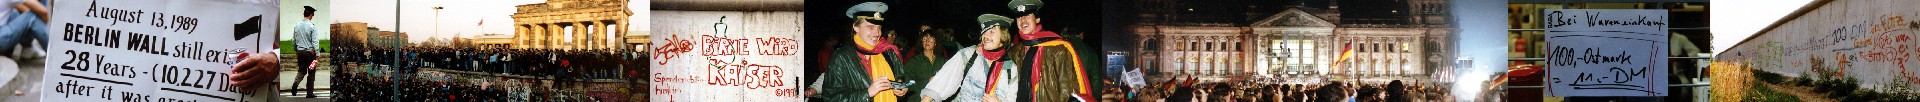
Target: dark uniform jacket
column 846, row 79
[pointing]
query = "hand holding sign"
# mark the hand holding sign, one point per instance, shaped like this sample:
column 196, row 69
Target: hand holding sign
column 254, row 70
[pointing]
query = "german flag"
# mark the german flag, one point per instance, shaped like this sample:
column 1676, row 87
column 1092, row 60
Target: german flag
column 1345, row 52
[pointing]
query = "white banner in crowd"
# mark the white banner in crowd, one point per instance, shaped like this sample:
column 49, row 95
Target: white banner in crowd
column 1607, row 52
column 154, row 50
column 1136, row 79
column 726, row 56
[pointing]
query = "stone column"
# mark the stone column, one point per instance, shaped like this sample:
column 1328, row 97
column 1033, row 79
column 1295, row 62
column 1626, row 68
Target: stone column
column 519, row 35
column 518, row 31
column 621, row 32
column 534, row 33
column 599, row 35
column 552, row 36
column 537, row 37
column 579, row 35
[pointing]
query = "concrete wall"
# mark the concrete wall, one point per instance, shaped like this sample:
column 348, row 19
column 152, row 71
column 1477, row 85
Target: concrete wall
column 1869, row 40
column 757, row 55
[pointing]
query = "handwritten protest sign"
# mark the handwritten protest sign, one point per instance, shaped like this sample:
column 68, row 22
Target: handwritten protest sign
column 153, row 50
column 726, row 56
column 1136, row 79
column 1601, row 52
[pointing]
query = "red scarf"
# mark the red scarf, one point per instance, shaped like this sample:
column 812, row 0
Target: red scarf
column 994, row 57
column 1039, row 33
column 878, row 47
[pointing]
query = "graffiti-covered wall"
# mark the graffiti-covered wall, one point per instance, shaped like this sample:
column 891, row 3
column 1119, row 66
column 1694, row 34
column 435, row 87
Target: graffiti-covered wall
column 1867, row 40
column 726, row 56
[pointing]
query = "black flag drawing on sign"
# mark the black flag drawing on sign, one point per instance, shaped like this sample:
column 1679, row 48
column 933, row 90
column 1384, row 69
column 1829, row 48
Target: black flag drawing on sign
column 250, row 27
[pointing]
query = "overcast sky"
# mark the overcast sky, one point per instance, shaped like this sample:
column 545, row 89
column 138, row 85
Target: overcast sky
column 1735, row 20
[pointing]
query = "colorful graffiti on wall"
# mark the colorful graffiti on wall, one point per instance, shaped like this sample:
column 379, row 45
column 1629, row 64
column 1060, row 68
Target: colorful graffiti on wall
column 1859, row 46
column 726, row 56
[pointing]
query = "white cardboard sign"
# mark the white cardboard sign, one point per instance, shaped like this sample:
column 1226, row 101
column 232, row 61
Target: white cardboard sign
column 154, row 50
column 1607, row 52
column 1136, row 79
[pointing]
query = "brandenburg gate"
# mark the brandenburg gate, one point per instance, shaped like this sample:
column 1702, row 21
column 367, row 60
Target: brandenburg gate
column 544, row 25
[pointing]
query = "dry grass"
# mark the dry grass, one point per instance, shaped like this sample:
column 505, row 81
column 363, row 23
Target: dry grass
column 1730, row 81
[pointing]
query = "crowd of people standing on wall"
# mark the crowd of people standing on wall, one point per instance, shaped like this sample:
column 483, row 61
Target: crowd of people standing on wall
column 483, row 74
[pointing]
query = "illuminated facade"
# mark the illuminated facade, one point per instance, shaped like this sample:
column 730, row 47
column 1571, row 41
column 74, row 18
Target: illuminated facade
column 1296, row 40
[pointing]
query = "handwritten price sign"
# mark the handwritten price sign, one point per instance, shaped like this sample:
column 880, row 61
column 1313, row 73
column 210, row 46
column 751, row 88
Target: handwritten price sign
column 1602, row 52
column 153, row 50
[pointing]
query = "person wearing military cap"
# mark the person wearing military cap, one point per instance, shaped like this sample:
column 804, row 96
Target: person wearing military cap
column 1057, row 74
column 986, row 72
column 305, row 46
column 863, row 70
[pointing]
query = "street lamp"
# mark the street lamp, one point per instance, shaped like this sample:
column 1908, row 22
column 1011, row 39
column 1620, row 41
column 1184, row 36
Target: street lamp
column 436, row 20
